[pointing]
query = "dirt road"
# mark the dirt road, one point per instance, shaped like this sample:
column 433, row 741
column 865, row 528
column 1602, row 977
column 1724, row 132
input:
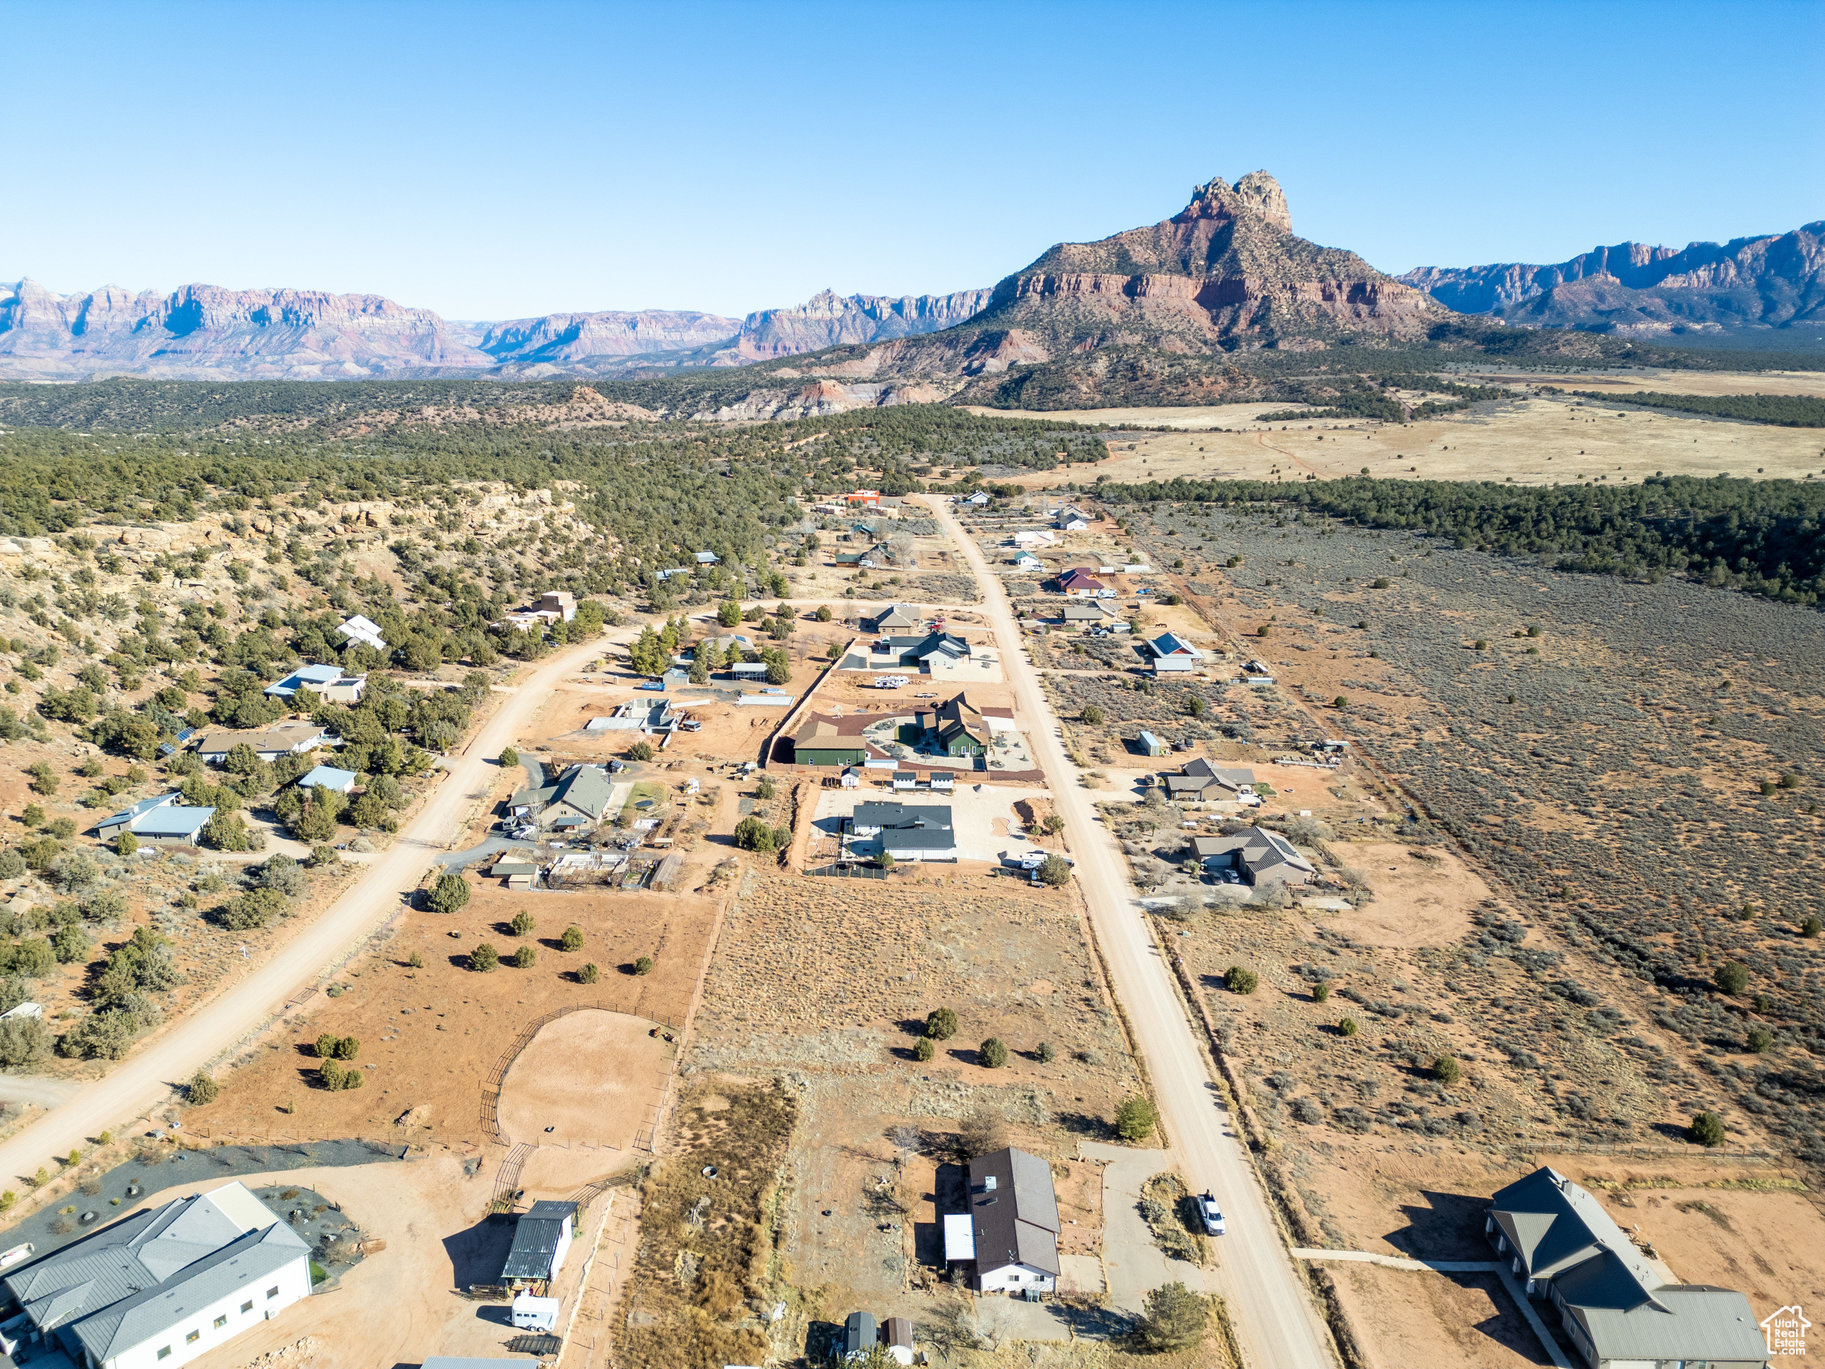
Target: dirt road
column 1274, row 1317
column 145, row 1078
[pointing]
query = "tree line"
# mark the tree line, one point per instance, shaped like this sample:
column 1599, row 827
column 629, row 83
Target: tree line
column 1763, row 536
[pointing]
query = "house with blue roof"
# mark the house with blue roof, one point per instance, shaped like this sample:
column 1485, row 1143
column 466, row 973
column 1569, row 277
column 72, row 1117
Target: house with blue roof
column 326, row 681
column 163, row 1286
column 328, row 777
column 159, row 819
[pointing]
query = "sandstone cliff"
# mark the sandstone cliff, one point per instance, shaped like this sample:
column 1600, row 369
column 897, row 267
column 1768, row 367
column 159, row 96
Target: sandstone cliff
column 831, row 320
column 1768, row 281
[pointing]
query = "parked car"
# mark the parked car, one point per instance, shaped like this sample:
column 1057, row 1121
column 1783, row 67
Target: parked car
column 1211, row 1213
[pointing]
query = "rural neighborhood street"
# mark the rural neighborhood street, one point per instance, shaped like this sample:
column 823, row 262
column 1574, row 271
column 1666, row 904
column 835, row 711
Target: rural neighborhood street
column 146, row 1077
column 1273, row 1315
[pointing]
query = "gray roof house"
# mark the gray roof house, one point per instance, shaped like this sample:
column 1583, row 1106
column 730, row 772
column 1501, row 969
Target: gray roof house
column 1618, row 1308
column 161, row 819
column 579, row 797
column 1014, row 1221
column 1200, row 781
column 165, row 1285
column 541, row 1238
column 860, row 1335
column 907, row 831
column 1259, row 856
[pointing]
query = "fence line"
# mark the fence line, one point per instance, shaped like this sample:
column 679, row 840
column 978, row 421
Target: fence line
column 849, row 872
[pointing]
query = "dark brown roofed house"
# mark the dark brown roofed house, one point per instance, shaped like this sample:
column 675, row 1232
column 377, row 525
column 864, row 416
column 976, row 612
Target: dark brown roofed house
column 1014, row 1219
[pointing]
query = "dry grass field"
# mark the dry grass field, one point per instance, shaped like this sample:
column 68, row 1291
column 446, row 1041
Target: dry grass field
column 1531, row 439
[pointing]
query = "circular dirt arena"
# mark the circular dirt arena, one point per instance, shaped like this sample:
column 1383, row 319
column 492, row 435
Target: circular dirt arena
column 591, row 1077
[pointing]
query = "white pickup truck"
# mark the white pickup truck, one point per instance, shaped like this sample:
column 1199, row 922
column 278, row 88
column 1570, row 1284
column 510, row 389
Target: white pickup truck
column 1211, row 1213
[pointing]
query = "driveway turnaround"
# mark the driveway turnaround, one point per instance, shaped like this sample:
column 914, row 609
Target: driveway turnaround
column 1268, row 1304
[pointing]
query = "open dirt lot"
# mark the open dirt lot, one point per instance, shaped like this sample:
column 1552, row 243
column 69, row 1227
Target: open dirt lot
column 430, row 1035
column 1533, row 440
column 1403, row 1318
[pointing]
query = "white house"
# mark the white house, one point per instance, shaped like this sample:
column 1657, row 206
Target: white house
column 1071, row 520
column 163, row 1286
column 364, row 630
column 978, row 499
column 1035, row 537
column 1027, row 561
column 326, row 681
column 1013, row 1222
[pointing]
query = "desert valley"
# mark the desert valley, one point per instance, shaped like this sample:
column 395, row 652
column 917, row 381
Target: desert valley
column 1201, row 804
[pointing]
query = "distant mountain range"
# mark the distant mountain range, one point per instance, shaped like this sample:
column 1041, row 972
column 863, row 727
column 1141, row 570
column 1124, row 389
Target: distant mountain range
column 210, row 333
column 1632, row 289
column 1224, row 275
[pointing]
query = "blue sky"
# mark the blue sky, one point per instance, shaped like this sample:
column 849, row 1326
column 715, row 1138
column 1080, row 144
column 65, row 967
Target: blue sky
column 491, row 161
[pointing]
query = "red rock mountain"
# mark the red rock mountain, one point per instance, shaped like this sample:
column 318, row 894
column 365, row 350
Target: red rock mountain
column 1227, row 272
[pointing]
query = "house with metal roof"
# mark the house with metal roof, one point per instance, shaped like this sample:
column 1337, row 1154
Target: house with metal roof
column 917, row 651
column 325, row 681
column 541, row 1238
column 581, row 796
column 1069, row 519
column 1618, row 1307
column 906, row 831
column 116, row 823
column 162, row 819
column 364, row 630
column 860, row 1335
column 328, row 777
column 1013, row 1222
column 1173, row 655
column 162, row 1286
column 1078, row 583
column 708, row 558
column 1259, row 856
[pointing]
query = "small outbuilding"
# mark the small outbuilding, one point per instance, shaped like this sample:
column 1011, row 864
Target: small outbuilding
column 860, row 1335
column 541, row 1238
column 1151, row 745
